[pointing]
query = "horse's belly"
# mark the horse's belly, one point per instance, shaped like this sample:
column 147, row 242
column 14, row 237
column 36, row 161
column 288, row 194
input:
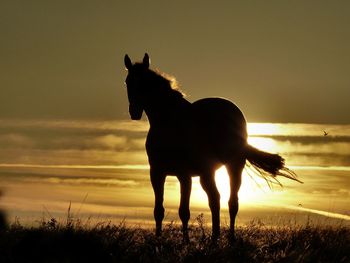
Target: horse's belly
column 182, row 164
column 176, row 157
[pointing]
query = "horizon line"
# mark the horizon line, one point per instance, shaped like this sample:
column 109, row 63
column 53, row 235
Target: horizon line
column 144, row 166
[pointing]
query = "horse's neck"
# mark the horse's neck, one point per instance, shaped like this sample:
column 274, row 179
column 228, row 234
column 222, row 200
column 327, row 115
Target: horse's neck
column 166, row 111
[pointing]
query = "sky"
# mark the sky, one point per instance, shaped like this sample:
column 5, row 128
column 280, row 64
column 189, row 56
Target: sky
column 279, row 61
column 66, row 135
column 100, row 169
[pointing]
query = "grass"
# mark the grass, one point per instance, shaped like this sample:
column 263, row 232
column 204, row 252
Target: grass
column 75, row 241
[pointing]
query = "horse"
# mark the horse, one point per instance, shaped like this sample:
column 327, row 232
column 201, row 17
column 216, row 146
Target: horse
column 193, row 139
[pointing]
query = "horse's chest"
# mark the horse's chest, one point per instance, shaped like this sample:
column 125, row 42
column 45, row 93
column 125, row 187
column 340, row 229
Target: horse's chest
column 169, row 146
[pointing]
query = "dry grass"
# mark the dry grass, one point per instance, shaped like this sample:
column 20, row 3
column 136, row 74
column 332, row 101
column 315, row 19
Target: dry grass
column 75, row 241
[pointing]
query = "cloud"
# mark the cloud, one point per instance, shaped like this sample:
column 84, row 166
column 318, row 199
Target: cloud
column 307, row 139
column 69, row 135
column 82, row 181
column 111, row 141
column 76, row 166
column 308, row 152
column 73, row 157
column 110, row 125
column 320, row 212
column 15, row 140
column 58, row 142
column 297, row 129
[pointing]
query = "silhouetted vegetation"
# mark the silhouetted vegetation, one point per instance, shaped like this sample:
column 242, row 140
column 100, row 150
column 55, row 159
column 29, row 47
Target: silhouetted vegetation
column 74, row 241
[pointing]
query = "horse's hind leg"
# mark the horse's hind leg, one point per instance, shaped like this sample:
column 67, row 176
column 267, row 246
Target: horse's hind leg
column 235, row 173
column 209, row 186
column 158, row 180
column 184, row 209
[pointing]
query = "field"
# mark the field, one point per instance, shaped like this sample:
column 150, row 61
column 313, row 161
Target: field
column 75, row 241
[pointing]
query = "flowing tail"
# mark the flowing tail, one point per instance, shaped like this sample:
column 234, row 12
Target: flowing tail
column 268, row 165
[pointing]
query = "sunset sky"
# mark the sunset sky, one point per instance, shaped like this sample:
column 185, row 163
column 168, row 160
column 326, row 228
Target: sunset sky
column 280, row 61
column 65, row 133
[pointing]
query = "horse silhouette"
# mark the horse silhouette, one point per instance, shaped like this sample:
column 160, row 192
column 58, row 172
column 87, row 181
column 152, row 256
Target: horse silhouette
column 193, row 139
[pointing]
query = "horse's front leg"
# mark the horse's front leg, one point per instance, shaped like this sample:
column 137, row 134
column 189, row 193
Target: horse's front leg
column 184, row 209
column 158, row 180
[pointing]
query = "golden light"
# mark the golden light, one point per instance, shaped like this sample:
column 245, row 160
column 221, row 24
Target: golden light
column 222, row 181
column 264, row 129
column 251, row 191
column 255, row 130
column 264, row 144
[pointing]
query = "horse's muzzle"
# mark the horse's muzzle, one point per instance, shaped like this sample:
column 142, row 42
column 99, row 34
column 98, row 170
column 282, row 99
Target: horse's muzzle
column 135, row 111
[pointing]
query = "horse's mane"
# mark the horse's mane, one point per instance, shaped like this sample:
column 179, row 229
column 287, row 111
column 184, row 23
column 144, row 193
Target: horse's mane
column 165, row 81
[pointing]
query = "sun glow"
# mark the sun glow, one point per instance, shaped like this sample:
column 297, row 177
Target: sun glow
column 264, row 144
column 264, row 129
column 250, row 191
column 258, row 132
column 253, row 189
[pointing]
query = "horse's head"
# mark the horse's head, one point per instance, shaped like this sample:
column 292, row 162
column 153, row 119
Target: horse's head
column 135, row 84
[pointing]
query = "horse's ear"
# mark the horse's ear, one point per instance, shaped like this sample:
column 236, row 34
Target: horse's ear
column 127, row 62
column 146, row 60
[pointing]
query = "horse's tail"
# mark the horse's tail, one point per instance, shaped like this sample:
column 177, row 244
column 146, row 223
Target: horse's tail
column 268, row 165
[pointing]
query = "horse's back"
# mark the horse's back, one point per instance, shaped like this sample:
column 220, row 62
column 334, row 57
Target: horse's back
column 220, row 115
column 220, row 128
column 209, row 132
